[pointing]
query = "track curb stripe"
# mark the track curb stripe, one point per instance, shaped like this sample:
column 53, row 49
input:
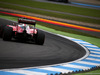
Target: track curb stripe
column 52, row 22
column 90, row 62
column 87, row 63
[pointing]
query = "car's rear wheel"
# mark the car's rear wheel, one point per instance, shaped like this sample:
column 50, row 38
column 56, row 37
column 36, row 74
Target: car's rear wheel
column 40, row 37
column 7, row 34
column 1, row 30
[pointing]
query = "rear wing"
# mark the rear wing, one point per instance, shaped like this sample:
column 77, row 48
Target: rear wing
column 26, row 21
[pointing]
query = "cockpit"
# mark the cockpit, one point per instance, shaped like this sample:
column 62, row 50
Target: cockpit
column 25, row 26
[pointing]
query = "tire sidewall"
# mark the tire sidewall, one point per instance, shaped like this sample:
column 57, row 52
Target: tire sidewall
column 7, row 34
column 40, row 37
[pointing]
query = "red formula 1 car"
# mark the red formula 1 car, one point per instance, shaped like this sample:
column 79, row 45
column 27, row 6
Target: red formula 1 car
column 22, row 31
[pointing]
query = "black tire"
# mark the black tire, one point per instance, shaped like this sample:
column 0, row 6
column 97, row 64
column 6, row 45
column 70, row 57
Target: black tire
column 7, row 34
column 40, row 37
column 1, row 30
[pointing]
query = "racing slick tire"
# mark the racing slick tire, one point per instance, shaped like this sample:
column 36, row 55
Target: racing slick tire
column 7, row 34
column 1, row 30
column 40, row 37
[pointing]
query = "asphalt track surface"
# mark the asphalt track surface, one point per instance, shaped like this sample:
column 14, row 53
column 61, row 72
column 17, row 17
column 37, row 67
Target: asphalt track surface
column 15, row 54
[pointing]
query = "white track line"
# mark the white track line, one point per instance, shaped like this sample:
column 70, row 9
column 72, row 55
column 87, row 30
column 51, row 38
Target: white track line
column 82, row 42
column 76, row 66
column 56, row 69
column 90, row 45
column 89, row 63
column 94, row 49
column 26, row 72
column 94, row 52
column 94, row 59
column 94, row 55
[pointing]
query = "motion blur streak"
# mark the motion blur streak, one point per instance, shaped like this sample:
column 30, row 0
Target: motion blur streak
column 52, row 22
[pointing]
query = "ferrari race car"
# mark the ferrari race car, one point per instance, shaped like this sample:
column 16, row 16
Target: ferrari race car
column 23, row 32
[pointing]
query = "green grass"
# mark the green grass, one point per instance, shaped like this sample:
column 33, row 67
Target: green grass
column 57, row 7
column 70, row 33
column 55, row 29
column 63, row 29
column 95, row 72
column 95, row 41
column 58, row 28
column 51, row 14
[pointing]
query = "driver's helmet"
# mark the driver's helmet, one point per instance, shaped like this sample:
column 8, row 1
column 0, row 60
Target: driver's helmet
column 23, row 26
column 14, row 24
